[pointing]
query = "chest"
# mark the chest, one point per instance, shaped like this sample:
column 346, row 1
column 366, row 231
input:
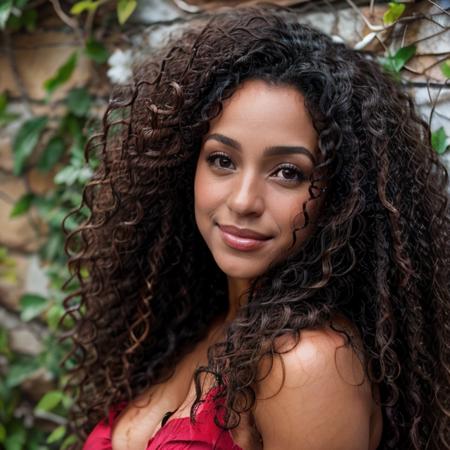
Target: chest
column 142, row 419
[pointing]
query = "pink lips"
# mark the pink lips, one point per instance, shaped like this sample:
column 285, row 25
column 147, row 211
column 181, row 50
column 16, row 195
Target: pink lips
column 242, row 238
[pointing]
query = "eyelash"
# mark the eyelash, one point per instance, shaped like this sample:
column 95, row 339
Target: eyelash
column 212, row 158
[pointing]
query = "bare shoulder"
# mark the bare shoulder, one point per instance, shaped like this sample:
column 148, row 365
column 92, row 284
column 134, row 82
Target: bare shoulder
column 314, row 395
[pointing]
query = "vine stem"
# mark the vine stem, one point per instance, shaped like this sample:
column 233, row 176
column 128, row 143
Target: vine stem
column 51, row 417
column 439, row 7
column 72, row 23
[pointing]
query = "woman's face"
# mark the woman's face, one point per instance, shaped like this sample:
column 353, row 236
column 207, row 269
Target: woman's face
column 252, row 178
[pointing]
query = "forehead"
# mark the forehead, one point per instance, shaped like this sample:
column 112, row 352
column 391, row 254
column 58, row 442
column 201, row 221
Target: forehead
column 259, row 115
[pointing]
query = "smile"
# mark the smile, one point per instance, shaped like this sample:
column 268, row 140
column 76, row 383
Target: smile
column 241, row 243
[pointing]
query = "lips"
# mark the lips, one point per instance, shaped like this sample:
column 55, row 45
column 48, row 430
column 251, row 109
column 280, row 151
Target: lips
column 242, row 239
column 243, row 233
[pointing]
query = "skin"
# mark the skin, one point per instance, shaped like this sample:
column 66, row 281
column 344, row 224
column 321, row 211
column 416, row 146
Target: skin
column 317, row 396
column 240, row 182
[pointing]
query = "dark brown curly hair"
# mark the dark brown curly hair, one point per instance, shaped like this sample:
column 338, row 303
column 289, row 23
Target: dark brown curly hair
column 379, row 254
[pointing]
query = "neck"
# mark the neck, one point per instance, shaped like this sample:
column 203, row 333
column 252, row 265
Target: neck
column 236, row 296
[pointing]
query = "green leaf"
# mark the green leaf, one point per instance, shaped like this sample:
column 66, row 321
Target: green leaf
column 68, row 442
column 22, row 205
column 445, row 68
column 26, row 20
column 25, row 140
column 96, row 51
column 66, row 176
column 7, row 272
column 20, row 4
column 9, row 400
column 4, row 344
column 62, row 74
column 5, row 11
column 394, row 11
column 56, row 435
column 20, row 371
column 2, row 433
column 51, row 154
column 439, row 141
column 31, row 306
column 67, row 401
column 29, row 19
column 70, row 175
column 79, row 101
column 395, row 63
column 51, row 250
column 5, row 116
column 14, row 23
column 124, row 9
column 5, row 260
column 3, row 103
column 35, row 439
column 73, row 126
column 16, row 437
column 53, row 315
column 49, row 401
column 403, row 55
column 86, row 5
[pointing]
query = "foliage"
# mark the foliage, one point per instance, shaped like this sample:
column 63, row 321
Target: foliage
column 393, row 13
column 5, row 116
column 86, row 5
column 445, row 67
column 395, row 63
column 62, row 75
column 13, row 434
column 53, row 145
column 124, row 9
column 25, row 141
column 96, row 51
column 5, row 11
column 14, row 15
column 7, row 272
column 439, row 140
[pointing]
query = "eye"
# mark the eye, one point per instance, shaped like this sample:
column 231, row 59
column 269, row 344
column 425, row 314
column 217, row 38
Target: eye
column 290, row 174
column 220, row 161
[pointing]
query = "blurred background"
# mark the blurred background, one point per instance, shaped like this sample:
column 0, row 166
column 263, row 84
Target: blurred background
column 58, row 62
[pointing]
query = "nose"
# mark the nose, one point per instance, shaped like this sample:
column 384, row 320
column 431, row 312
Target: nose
column 246, row 196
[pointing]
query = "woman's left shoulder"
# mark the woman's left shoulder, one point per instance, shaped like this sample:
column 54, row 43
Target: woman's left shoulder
column 318, row 352
column 314, row 393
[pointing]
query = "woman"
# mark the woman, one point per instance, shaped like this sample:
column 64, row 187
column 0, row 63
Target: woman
column 266, row 252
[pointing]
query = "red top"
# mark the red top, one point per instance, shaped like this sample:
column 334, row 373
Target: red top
column 176, row 434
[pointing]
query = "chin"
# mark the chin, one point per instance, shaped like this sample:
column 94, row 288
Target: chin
column 242, row 269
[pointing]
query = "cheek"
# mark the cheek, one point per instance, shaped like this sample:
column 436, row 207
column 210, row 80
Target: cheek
column 287, row 211
column 206, row 193
column 201, row 191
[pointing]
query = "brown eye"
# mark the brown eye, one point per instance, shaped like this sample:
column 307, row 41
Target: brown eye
column 290, row 174
column 220, row 160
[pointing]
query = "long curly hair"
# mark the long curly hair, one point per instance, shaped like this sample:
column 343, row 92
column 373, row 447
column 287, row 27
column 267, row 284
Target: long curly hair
column 149, row 288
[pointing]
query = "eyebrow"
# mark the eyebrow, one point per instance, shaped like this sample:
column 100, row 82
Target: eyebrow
column 268, row 151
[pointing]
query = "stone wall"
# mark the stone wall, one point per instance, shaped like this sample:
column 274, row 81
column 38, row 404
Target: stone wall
column 31, row 58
